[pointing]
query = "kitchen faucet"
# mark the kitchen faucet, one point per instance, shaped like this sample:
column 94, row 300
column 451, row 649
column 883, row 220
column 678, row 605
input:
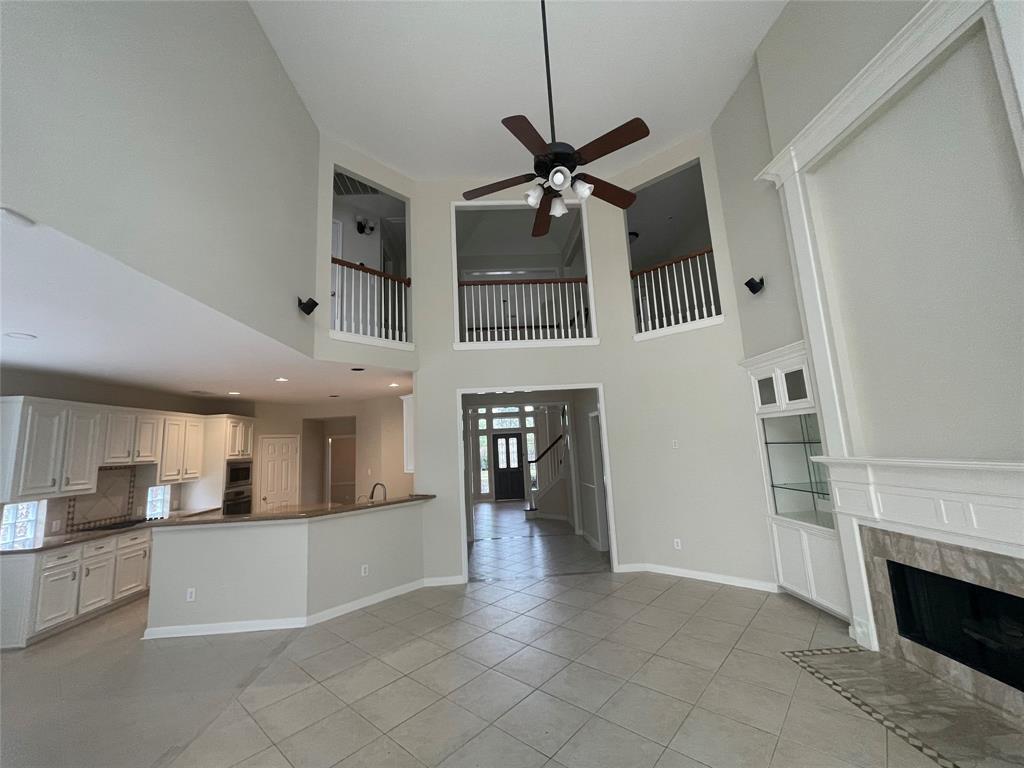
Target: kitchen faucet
column 374, row 490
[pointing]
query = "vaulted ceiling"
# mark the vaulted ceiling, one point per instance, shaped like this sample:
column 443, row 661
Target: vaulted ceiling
column 422, row 86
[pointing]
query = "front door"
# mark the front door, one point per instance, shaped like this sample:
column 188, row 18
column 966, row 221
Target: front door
column 279, row 470
column 508, row 467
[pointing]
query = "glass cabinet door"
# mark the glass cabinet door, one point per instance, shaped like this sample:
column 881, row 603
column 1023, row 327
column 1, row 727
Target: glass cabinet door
column 799, row 486
column 766, row 395
column 795, row 386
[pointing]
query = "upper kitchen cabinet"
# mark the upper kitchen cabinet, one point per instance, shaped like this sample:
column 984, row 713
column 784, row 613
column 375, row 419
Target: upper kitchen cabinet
column 239, row 438
column 49, row 447
column 192, row 462
column 181, row 454
column 132, row 437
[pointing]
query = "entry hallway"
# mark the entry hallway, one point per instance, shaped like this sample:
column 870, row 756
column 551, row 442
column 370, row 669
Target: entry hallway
column 589, row 671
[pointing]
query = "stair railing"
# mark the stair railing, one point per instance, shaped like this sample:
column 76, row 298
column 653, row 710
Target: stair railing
column 549, row 469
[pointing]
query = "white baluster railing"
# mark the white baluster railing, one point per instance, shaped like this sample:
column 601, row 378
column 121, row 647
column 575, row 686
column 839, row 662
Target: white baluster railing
column 524, row 310
column 368, row 302
column 550, row 465
column 675, row 292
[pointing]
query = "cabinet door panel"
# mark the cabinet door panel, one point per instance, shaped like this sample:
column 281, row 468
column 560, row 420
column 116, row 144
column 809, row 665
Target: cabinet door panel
column 789, row 558
column 80, row 450
column 132, row 573
column 58, row 596
column 235, row 437
column 97, row 587
column 796, row 386
column 119, row 442
column 246, row 439
column 41, row 449
column 828, row 579
column 193, row 453
column 172, row 450
column 147, row 438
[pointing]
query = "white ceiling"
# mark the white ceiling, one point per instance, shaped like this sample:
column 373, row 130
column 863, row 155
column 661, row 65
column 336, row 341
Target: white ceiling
column 96, row 317
column 422, row 86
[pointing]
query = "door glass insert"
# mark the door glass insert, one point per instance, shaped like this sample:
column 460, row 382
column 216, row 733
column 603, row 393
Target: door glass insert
column 513, row 452
column 502, row 453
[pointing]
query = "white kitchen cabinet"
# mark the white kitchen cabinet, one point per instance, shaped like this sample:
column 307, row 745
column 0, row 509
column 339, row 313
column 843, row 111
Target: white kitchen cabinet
column 172, row 450
column 246, row 439
column 119, row 438
column 148, row 434
column 809, row 563
column 81, row 449
column 41, row 449
column 58, row 596
column 97, row 583
column 238, row 441
column 408, row 433
column 192, row 462
column 132, row 571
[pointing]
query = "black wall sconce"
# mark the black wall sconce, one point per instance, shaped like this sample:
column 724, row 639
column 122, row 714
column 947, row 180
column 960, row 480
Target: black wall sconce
column 755, row 284
column 308, row 305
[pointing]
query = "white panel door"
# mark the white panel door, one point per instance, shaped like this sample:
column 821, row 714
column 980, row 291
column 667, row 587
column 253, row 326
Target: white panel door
column 58, row 596
column 193, row 454
column 132, row 572
column 279, row 470
column 41, row 449
column 147, row 438
column 172, row 450
column 97, row 586
column 81, row 449
column 119, row 440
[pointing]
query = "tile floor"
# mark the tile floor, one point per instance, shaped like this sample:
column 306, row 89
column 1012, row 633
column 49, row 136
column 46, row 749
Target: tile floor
column 507, row 545
column 587, row 671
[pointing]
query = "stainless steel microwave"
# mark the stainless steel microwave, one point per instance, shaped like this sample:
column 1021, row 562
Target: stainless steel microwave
column 239, row 474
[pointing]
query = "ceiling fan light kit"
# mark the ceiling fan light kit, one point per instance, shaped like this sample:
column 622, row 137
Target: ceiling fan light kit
column 556, row 161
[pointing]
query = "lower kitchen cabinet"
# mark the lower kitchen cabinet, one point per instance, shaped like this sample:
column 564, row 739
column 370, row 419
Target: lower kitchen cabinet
column 97, row 585
column 132, row 571
column 58, row 596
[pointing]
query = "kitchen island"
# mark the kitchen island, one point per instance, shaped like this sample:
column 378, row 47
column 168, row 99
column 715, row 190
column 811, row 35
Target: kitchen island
column 289, row 566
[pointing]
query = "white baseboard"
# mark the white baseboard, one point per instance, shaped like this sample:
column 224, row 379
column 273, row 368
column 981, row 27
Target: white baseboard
column 295, row 622
column 717, row 578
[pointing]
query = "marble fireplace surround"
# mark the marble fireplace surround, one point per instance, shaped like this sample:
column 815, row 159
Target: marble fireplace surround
column 975, row 566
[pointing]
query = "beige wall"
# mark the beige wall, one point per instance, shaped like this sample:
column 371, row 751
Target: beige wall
column 922, row 251
column 753, row 222
column 168, row 136
column 812, row 51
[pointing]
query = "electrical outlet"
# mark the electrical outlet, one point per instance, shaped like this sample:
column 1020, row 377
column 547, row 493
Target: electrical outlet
column 677, row 544
column 190, row 595
column 675, row 443
column 364, row 570
column 55, row 526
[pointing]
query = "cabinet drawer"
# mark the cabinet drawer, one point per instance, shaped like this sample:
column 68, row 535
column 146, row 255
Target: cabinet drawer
column 93, row 548
column 132, row 539
column 62, row 556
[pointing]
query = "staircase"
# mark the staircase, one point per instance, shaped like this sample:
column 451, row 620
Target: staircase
column 551, row 467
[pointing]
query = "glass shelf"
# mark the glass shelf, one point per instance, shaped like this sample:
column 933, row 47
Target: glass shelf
column 819, row 488
column 799, row 486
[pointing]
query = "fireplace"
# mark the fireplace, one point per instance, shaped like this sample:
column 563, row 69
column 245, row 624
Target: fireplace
column 974, row 625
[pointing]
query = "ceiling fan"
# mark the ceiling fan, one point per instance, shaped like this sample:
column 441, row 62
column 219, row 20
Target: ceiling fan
column 556, row 162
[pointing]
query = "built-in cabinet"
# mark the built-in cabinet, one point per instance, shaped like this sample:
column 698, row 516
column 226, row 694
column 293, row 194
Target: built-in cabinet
column 132, row 438
column 148, row 432
column 239, row 439
column 808, row 558
column 408, row 434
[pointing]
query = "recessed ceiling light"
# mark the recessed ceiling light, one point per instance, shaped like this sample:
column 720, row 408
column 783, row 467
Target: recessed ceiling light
column 234, row 393
column 20, row 335
column 358, row 369
column 392, row 385
column 280, row 378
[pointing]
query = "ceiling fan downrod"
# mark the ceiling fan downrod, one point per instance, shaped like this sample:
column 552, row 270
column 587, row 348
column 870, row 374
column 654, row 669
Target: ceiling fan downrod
column 547, row 68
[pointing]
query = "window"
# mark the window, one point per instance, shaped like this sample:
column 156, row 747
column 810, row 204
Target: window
column 502, row 454
column 20, row 524
column 506, row 409
column 485, row 478
column 506, row 423
column 513, row 452
column 530, row 421
column 158, row 502
column 481, row 424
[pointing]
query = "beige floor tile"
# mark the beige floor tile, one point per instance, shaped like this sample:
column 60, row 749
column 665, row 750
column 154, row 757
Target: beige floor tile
column 556, row 613
column 283, row 718
column 723, row 743
column 578, row 598
column 525, row 629
column 543, row 722
column 280, row 679
column 747, row 703
column 727, row 612
column 712, row 630
column 454, row 635
column 638, row 593
column 437, row 731
column 361, row 680
column 491, row 593
column 847, row 737
column 384, row 640
column 532, row 666
column 271, row 757
column 424, row 622
column 494, row 748
column 661, row 617
column 234, row 736
column 831, row 633
column 565, row 642
column 394, row 610
column 790, row 754
column 489, row 617
column 748, row 598
column 354, row 625
column 901, row 755
column 641, row 636
column 617, row 607
column 682, row 681
column 601, row 744
column 680, row 602
column 310, row 642
column 692, row 650
column 672, row 759
column 598, row 625
column 520, row 602
column 413, row 655
column 490, row 649
column 395, row 703
column 330, row 663
column 583, row 686
column 784, row 623
column 448, row 673
column 770, row 644
column 614, row 659
column 459, row 607
column 490, row 695
column 382, row 753
column 647, row 712
column 328, row 741
column 812, row 691
column 777, row 674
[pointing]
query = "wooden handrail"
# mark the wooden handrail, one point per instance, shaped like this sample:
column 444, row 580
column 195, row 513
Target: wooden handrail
column 407, row 281
column 635, row 272
column 547, row 450
column 548, row 281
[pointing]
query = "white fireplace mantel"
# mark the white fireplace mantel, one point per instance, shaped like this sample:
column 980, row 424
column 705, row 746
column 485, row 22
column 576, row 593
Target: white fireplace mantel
column 975, row 504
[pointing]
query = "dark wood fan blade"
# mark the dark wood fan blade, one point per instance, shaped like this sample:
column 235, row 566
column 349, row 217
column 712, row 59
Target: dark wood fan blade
column 608, row 192
column 617, row 138
column 497, row 186
column 542, row 221
column 521, row 127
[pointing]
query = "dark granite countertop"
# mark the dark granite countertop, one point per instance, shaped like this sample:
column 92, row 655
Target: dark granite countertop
column 66, row 539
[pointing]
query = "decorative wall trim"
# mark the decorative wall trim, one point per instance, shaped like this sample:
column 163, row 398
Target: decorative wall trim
column 686, row 573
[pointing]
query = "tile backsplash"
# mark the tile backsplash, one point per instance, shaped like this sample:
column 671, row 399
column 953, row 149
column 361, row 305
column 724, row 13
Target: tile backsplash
column 113, row 501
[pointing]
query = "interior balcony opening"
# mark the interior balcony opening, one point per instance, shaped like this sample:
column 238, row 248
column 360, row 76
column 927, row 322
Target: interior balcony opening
column 370, row 282
column 671, row 261
column 517, row 289
column 535, row 484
